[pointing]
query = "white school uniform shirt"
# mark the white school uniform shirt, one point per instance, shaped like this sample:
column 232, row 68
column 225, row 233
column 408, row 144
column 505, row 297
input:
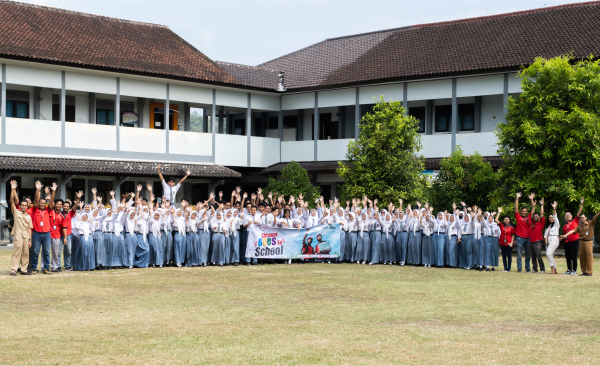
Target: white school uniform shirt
column 452, row 228
column 427, row 226
column 466, row 228
column 290, row 223
column 170, row 192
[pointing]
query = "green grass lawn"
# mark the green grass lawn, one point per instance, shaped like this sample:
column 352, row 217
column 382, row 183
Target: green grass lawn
column 299, row 314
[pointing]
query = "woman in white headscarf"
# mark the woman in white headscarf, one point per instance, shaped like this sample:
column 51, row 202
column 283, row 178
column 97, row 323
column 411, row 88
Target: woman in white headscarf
column 374, row 251
column 387, row 239
column 87, row 252
column 426, row 241
column 204, row 237
column 352, row 240
column 112, row 250
column 313, row 219
column 192, row 250
column 142, row 249
column 130, row 237
column 465, row 238
column 492, row 236
column 167, row 235
column 235, row 233
column 363, row 240
column 452, row 239
column 341, row 220
column 179, row 240
column 401, row 229
column 439, row 239
column 155, row 239
column 218, row 239
column 98, row 238
column 414, row 238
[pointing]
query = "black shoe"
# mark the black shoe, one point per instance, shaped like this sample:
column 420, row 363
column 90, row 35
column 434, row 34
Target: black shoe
column 13, row 273
column 26, row 273
column 254, row 263
column 220, row 265
column 236, row 264
column 527, row 270
column 487, row 269
column 493, row 269
column 247, row 263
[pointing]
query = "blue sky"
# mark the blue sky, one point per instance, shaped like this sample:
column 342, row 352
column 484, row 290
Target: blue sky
column 251, row 32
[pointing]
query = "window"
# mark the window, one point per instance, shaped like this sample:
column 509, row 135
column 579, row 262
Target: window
column 17, row 104
column 443, row 118
column 419, row 113
column 466, row 117
column 105, row 117
column 69, row 108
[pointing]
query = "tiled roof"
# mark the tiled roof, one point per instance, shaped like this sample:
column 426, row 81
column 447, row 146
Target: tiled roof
column 254, row 76
column 500, row 42
column 89, row 166
column 83, row 40
column 331, row 166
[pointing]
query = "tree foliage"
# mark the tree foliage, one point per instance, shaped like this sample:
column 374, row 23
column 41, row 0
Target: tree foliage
column 382, row 163
column 294, row 180
column 463, row 178
column 551, row 141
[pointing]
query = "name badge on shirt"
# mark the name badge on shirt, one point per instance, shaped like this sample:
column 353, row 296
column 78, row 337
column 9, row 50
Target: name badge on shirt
column 54, row 228
column 41, row 223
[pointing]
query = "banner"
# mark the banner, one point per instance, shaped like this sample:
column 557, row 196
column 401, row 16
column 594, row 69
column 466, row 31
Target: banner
column 321, row 241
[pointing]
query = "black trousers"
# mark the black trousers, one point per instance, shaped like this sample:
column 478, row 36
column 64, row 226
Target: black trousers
column 536, row 255
column 571, row 250
column 506, row 256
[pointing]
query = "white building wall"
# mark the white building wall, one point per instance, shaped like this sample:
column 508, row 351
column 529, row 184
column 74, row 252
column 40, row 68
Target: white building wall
column 298, row 101
column 91, row 83
column 46, row 104
column 491, row 112
column 308, row 124
column 33, row 76
column 229, row 98
column 265, row 102
column 435, row 89
column 480, row 85
column 514, row 83
column 141, row 88
column 82, row 109
column 190, row 94
column 335, row 98
column 371, row 94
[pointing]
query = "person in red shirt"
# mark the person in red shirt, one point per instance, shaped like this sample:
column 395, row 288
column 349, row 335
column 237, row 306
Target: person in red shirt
column 537, row 236
column 56, row 220
column 507, row 238
column 572, row 241
column 523, row 233
column 67, row 213
column 40, row 237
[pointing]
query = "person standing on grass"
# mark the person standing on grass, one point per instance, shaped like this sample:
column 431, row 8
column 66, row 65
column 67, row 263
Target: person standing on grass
column 507, row 238
column 522, row 232
column 22, row 232
column 537, row 236
column 571, row 241
column 40, row 238
column 169, row 187
column 585, row 230
column 551, row 238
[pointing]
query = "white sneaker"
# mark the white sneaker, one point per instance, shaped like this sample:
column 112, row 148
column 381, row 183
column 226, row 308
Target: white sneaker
column 402, row 263
column 290, row 261
column 425, row 265
column 178, row 264
column 390, row 263
column 357, row 262
column 160, row 266
column 130, row 267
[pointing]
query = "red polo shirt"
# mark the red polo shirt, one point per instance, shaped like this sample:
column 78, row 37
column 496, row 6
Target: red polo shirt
column 66, row 222
column 40, row 218
column 537, row 230
column 506, row 233
column 568, row 227
column 56, row 220
column 523, row 226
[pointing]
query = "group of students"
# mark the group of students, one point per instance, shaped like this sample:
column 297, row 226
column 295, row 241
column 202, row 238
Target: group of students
column 136, row 232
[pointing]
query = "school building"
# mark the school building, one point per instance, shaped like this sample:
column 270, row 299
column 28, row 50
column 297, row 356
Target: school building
column 92, row 101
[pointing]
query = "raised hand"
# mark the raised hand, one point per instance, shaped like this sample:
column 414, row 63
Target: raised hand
column 238, row 189
column 270, row 195
column 499, row 209
column 259, row 190
column 13, row 184
column 38, row 185
column 581, row 200
column 149, row 187
column 454, row 206
column 152, row 198
column 554, row 204
column 419, row 204
column 99, row 199
column 245, row 195
column 220, row 194
column 519, row 195
column 132, row 194
column 462, row 204
column 79, row 194
column 54, row 186
column 47, row 190
column 531, row 196
column 81, row 205
column 94, row 190
column 139, row 187
column 188, row 173
column 112, row 194
column 300, row 196
column 542, row 201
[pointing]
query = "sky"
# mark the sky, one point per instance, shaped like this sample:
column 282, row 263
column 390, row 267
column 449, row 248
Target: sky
column 253, row 32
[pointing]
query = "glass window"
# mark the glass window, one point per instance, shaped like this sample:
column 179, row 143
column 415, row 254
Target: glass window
column 419, row 113
column 16, row 109
column 466, row 117
column 443, row 118
column 105, row 117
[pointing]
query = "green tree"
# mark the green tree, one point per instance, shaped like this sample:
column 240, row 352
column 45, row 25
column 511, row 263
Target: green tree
column 551, row 141
column 383, row 162
column 463, row 178
column 294, row 180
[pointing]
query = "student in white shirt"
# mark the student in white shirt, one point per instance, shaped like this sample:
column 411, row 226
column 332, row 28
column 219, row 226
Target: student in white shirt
column 401, row 230
column 551, row 238
column 439, row 236
column 452, row 235
column 491, row 238
column 169, row 187
column 465, row 238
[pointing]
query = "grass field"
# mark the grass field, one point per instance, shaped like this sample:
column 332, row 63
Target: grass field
column 299, row 314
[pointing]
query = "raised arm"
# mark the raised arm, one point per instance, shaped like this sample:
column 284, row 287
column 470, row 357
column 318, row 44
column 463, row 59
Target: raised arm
column 187, row 174
column 53, row 188
column 517, row 196
column 159, row 173
column 13, row 195
column 533, row 203
column 580, row 208
column 541, row 208
column 137, row 194
column 498, row 215
column 36, row 198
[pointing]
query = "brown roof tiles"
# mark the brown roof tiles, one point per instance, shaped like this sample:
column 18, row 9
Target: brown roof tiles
column 67, row 37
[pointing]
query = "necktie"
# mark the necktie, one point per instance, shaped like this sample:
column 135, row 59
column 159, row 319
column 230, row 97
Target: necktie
column 171, row 198
column 219, row 228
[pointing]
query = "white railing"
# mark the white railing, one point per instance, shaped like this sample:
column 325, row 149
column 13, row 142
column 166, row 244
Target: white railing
column 231, row 150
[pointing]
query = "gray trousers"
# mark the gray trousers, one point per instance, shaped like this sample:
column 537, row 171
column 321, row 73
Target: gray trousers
column 56, row 245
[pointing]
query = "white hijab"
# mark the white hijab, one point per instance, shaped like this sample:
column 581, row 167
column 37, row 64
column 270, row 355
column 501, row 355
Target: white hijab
column 131, row 222
column 155, row 224
column 84, row 226
column 180, row 220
